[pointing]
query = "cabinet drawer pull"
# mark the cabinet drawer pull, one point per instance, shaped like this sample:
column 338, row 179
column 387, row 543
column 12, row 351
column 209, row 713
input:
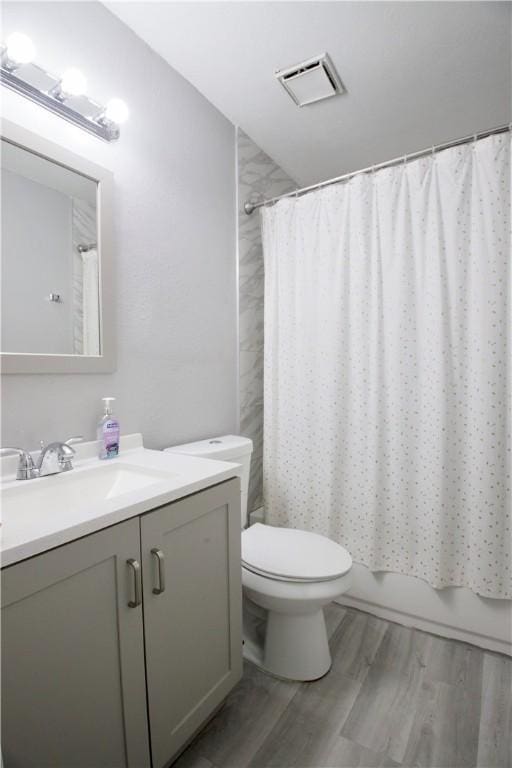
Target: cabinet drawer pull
column 137, row 583
column 161, row 570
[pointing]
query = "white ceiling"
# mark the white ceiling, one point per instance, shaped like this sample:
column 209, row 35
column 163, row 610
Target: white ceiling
column 416, row 73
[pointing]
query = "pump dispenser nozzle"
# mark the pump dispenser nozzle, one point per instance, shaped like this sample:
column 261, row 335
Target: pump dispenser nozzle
column 108, row 405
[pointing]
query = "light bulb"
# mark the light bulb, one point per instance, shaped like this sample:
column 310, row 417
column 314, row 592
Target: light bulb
column 73, row 82
column 20, row 48
column 116, row 111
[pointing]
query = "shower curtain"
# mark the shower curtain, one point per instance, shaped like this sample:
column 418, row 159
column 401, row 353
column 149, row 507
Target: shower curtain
column 387, row 366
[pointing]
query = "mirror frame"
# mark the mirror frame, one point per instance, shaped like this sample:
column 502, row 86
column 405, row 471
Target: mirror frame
column 27, row 362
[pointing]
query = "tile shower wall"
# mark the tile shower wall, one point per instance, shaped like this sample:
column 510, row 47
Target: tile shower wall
column 258, row 177
column 83, row 232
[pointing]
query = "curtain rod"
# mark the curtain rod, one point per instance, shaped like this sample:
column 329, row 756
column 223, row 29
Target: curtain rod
column 249, row 207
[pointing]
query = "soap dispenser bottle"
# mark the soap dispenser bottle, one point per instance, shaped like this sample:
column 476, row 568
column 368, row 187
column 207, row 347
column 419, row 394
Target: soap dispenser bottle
column 108, row 431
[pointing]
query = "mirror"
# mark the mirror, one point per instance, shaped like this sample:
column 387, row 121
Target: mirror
column 54, row 246
column 50, row 288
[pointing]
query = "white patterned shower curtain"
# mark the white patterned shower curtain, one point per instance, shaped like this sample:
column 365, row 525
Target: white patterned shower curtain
column 386, row 366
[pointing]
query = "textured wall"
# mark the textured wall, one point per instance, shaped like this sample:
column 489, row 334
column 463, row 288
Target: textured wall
column 258, row 178
column 174, row 227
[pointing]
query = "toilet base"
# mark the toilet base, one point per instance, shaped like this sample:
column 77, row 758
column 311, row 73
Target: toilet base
column 288, row 646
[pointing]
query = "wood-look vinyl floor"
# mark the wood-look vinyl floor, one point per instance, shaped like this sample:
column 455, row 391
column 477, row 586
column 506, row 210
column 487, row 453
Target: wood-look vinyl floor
column 395, row 696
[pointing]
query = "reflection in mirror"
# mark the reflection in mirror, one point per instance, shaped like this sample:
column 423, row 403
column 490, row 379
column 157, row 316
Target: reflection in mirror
column 50, row 261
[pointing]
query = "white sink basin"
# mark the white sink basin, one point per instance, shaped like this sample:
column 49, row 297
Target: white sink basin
column 49, row 511
column 72, row 490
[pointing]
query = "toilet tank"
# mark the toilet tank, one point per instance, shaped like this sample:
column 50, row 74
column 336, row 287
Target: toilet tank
column 226, row 448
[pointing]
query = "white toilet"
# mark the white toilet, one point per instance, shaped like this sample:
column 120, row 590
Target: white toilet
column 287, row 577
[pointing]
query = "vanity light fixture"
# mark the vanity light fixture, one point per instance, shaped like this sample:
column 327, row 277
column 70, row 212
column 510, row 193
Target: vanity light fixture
column 116, row 111
column 19, row 50
column 64, row 96
column 73, row 83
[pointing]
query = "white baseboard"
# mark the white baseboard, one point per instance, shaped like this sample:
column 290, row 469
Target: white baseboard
column 428, row 625
column 453, row 612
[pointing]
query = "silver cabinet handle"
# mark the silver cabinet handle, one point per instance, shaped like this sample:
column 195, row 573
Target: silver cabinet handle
column 161, row 570
column 137, row 583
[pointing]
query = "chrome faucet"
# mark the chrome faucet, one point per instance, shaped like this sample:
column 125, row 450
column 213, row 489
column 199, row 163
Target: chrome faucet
column 54, row 458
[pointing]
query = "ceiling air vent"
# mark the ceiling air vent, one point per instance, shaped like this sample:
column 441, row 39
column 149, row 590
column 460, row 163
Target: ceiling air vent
column 312, row 80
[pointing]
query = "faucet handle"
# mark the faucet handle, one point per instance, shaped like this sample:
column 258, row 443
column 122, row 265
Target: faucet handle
column 65, row 461
column 26, row 469
column 7, row 451
column 75, row 439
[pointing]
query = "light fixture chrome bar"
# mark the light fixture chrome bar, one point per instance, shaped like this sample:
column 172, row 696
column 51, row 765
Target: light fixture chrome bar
column 250, row 207
column 101, row 129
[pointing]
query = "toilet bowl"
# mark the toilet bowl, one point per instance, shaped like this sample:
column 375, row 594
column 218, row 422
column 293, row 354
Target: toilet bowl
column 288, row 576
column 291, row 575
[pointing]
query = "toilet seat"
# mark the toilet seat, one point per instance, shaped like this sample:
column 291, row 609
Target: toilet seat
column 285, row 554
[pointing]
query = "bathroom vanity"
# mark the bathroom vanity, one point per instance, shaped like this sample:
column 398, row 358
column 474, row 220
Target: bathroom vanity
column 121, row 623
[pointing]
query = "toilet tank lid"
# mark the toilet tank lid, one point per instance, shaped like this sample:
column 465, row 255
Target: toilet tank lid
column 224, row 447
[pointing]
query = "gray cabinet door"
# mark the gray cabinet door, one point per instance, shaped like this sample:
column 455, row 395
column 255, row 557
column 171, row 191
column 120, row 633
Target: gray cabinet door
column 193, row 627
column 73, row 688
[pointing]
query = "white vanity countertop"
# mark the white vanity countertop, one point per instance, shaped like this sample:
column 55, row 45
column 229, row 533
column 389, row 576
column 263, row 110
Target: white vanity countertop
column 46, row 512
